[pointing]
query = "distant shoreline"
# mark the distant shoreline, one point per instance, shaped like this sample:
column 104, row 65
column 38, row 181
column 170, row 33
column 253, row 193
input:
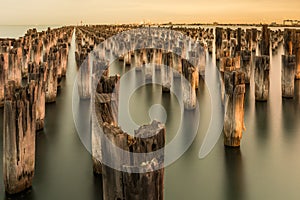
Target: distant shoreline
column 16, row 31
column 162, row 24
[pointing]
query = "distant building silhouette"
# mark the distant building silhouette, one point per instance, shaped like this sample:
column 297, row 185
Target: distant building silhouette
column 291, row 22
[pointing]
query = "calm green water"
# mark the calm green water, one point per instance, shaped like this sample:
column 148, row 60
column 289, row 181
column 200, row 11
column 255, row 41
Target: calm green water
column 265, row 167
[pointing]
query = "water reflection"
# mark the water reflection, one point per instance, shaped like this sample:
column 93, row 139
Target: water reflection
column 290, row 112
column 234, row 180
column 28, row 195
column 288, row 115
column 297, row 94
column 97, row 187
column 262, row 121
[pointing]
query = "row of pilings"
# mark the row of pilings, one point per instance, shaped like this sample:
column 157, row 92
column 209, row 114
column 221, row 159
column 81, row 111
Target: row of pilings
column 138, row 49
column 239, row 54
column 31, row 68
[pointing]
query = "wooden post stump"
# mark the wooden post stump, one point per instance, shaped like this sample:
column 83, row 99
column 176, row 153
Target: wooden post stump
column 83, row 81
column 265, row 41
column 51, row 82
column 37, row 74
column 289, row 38
column 288, row 76
column 148, row 185
column 127, row 59
column 14, row 67
column 2, row 79
column 148, row 138
column 234, row 108
column 106, row 101
column 138, row 60
column 192, row 76
column 63, row 52
column 219, row 39
column 248, row 38
column 261, row 78
column 177, row 62
column 166, row 73
column 254, row 39
column 246, row 65
column 157, row 59
column 19, row 137
column 297, row 53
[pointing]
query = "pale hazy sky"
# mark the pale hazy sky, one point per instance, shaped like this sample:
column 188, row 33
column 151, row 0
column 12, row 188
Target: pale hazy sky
column 34, row 12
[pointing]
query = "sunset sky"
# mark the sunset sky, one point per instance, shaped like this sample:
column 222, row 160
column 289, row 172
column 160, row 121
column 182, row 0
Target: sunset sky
column 60, row 12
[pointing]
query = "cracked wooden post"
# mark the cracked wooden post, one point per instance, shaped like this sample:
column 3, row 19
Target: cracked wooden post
column 246, row 65
column 157, row 59
column 166, row 72
column 248, row 38
column 228, row 34
column 19, row 137
column 194, row 61
column 288, row 75
column 26, row 48
column 63, row 53
column 189, row 86
column 265, row 41
column 148, row 138
column 177, row 62
column 289, row 37
column 137, row 60
column 18, row 59
column 254, row 39
column 149, row 65
column 51, row 82
column 127, row 59
column 210, row 46
column 127, row 56
column 261, row 78
column 118, row 184
column 239, row 41
column 3, row 68
column 14, row 67
column 57, row 63
column 36, row 50
column 202, row 60
column 106, row 101
column 219, row 39
column 37, row 73
column 149, row 55
column 227, row 64
column 83, row 81
column 112, row 178
column 297, row 53
column 234, row 108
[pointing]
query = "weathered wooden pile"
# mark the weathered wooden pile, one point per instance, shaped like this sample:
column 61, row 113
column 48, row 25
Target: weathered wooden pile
column 290, row 69
column 204, row 36
column 32, row 67
column 19, row 136
column 234, row 60
column 143, row 47
column 234, row 107
column 30, row 70
column 112, row 145
column 248, row 51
